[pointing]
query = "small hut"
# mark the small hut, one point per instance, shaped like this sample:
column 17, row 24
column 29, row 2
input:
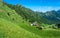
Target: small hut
column 34, row 24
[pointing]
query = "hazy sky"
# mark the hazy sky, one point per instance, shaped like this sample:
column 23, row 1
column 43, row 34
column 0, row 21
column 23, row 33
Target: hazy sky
column 38, row 5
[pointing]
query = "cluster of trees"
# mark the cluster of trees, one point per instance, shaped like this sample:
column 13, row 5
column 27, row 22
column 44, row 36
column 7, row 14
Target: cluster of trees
column 33, row 16
column 26, row 13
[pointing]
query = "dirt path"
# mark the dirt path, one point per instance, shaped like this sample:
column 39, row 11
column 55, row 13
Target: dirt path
column 0, row 10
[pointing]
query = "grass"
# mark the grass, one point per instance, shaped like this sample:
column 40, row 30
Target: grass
column 11, row 30
column 19, row 28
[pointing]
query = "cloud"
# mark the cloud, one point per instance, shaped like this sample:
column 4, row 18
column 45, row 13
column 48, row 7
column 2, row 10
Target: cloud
column 44, row 8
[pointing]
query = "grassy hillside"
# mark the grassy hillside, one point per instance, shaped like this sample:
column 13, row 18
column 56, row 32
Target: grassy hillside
column 9, row 28
column 28, row 14
column 14, row 26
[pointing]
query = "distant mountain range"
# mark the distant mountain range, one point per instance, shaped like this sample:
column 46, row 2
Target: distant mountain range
column 53, row 16
column 49, row 17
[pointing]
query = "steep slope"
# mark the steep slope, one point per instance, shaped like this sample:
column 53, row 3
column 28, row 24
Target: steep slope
column 9, row 22
column 11, row 30
column 50, row 17
column 14, row 26
column 53, row 16
column 28, row 14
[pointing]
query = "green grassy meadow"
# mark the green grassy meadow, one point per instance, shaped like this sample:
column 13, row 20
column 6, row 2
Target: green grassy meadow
column 13, row 26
